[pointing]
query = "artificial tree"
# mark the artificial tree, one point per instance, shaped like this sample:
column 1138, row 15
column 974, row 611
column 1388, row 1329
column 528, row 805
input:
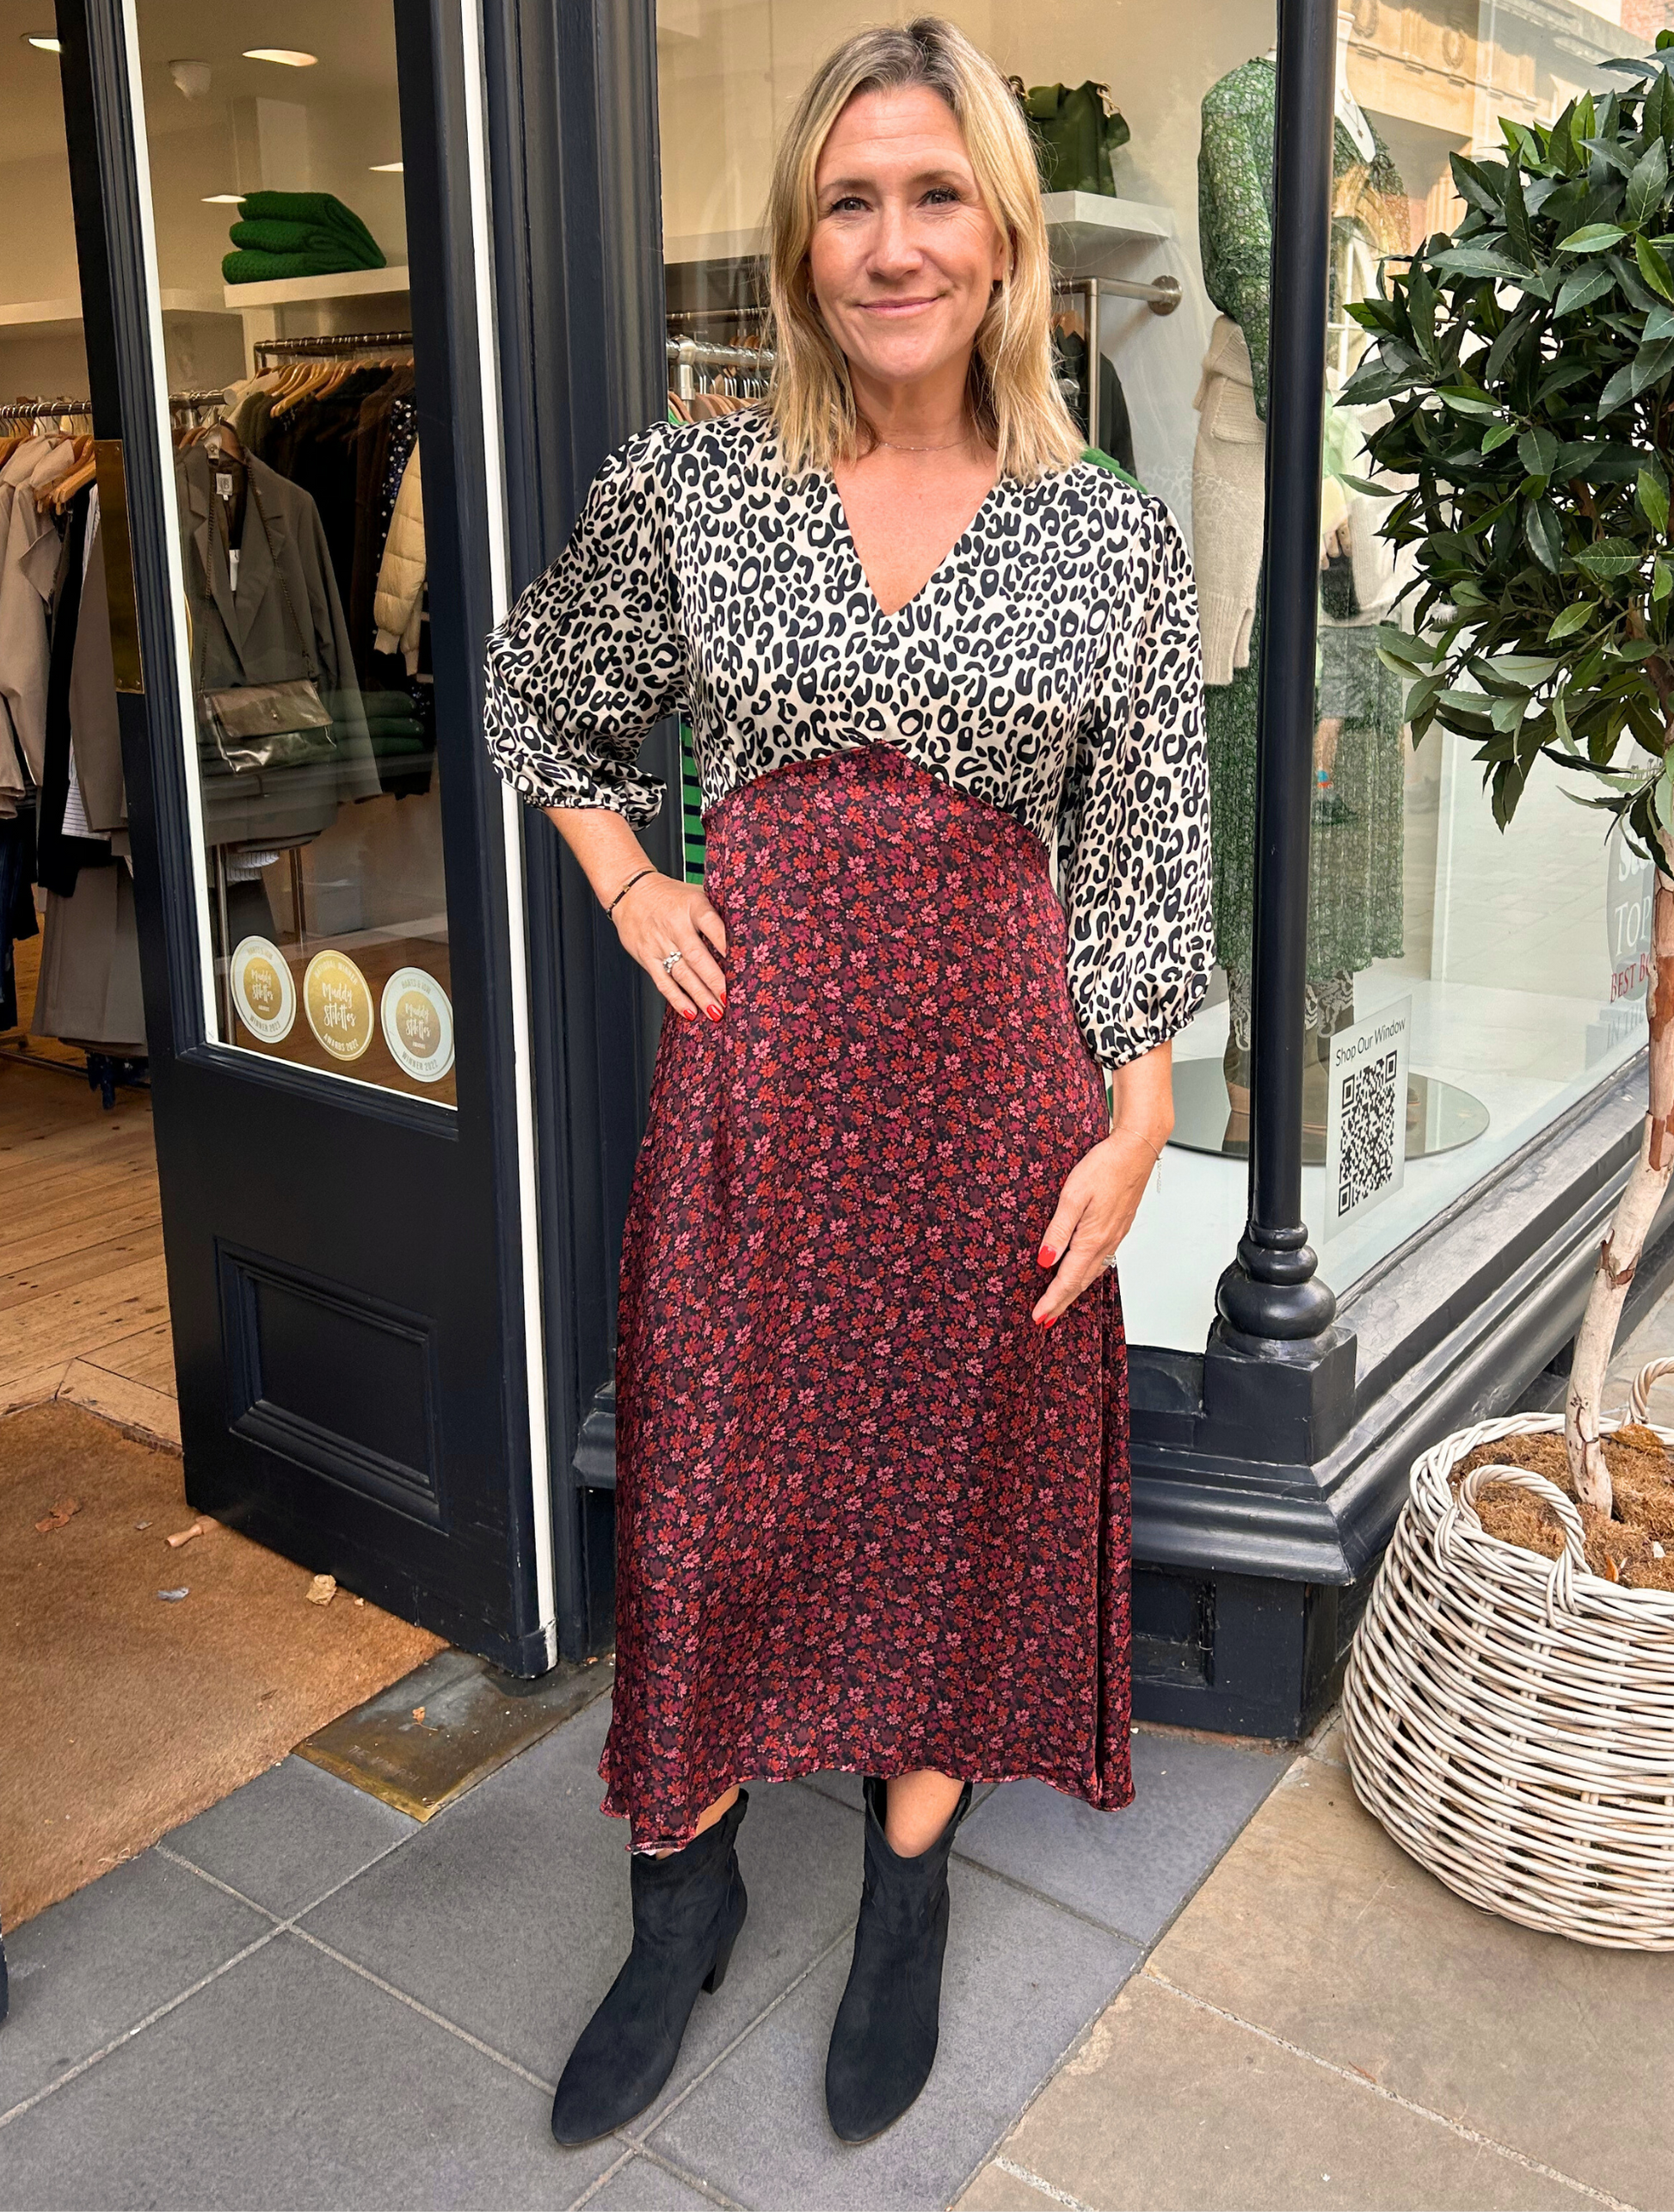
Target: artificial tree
column 1525, row 364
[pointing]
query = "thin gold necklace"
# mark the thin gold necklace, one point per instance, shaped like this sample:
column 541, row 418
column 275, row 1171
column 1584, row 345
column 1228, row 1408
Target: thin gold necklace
column 889, row 445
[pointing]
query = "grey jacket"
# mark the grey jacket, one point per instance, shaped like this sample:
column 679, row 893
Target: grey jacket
column 285, row 620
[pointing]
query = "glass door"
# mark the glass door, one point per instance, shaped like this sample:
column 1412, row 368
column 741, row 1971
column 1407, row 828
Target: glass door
column 327, row 903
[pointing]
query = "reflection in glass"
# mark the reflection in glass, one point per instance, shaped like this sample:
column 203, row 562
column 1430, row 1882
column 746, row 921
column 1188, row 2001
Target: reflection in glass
column 281, row 249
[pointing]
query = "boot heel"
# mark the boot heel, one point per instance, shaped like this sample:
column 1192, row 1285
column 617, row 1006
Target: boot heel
column 717, row 1973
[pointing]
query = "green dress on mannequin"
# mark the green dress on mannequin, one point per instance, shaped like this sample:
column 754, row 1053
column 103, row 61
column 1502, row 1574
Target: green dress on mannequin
column 1355, row 888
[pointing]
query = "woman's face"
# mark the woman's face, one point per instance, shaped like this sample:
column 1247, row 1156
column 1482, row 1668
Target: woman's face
column 904, row 255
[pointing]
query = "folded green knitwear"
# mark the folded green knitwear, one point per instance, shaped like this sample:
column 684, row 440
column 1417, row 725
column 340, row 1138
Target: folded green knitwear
column 246, row 266
column 297, row 238
column 321, row 211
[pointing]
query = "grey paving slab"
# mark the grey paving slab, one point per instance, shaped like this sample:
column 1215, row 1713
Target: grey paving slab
column 1133, row 1870
column 290, row 1835
column 509, row 1912
column 85, row 1971
column 1316, row 1927
column 1023, row 1979
column 642, row 2186
column 291, row 2082
column 1168, row 2109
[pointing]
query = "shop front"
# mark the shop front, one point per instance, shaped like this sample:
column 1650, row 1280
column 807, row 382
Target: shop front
column 362, row 298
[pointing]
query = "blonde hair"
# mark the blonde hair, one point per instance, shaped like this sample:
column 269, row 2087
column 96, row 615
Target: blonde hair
column 1014, row 394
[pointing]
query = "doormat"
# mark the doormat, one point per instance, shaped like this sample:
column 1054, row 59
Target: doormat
column 431, row 1737
column 142, row 1684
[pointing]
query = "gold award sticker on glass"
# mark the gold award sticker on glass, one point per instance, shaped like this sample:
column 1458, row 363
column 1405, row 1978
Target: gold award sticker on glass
column 338, row 1001
column 262, row 990
column 418, row 1024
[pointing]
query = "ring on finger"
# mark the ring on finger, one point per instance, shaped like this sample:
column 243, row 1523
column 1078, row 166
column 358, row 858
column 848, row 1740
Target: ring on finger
column 672, row 962
column 1114, row 1257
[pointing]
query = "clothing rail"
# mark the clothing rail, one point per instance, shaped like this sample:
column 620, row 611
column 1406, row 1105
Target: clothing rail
column 183, row 399
column 26, row 411
column 1164, row 296
column 334, row 343
column 687, row 356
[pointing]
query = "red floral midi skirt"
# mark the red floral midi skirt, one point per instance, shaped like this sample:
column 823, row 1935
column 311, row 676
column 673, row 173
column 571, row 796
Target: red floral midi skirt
column 869, row 1515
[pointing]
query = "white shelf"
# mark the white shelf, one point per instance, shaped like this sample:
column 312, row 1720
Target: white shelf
column 715, row 246
column 1085, row 225
column 288, row 291
column 47, row 313
column 178, row 300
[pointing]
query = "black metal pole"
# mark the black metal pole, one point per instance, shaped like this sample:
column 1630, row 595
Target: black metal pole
column 1271, row 1289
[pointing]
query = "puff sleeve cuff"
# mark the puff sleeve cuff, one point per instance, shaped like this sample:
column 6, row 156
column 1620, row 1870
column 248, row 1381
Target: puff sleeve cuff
column 589, row 661
column 1134, row 830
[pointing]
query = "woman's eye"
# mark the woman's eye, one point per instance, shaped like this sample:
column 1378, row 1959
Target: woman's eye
column 942, row 195
column 846, row 205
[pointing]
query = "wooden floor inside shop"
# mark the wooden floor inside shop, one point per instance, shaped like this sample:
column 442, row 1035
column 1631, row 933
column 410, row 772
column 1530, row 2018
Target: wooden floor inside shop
column 83, row 1301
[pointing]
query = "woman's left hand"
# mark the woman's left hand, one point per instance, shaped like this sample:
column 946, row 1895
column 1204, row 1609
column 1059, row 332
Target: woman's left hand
column 1096, row 1209
column 1102, row 1191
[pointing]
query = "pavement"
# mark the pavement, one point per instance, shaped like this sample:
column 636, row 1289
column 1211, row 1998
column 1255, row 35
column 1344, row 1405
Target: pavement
column 1237, row 1992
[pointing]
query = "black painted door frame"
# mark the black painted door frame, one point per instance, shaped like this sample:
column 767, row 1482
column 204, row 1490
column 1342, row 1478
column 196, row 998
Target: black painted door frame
column 302, row 1215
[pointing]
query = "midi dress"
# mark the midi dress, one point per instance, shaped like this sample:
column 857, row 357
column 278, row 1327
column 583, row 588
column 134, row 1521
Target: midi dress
column 870, row 1517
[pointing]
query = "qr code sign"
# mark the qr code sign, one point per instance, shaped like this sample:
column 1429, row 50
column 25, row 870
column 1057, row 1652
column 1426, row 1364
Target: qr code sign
column 1367, row 1161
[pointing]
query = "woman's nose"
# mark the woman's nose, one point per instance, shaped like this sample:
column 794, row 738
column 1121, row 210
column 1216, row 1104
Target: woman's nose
column 894, row 248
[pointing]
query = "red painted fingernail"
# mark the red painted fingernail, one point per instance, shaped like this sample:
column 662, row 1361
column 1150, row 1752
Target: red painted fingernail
column 688, row 1012
column 1048, row 1256
column 715, row 1014
column 1052, row 1322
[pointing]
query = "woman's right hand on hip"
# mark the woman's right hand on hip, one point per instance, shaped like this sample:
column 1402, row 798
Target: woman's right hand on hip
column 657, row 917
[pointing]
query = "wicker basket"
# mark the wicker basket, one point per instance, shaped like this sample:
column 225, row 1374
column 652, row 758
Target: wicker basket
column 1509, row 1719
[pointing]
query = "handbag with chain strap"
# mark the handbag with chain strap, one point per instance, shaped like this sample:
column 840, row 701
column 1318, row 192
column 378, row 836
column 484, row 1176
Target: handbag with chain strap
column 252, row 727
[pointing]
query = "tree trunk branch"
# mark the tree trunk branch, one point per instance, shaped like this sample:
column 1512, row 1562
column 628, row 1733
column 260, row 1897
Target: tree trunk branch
column 1619, row 1255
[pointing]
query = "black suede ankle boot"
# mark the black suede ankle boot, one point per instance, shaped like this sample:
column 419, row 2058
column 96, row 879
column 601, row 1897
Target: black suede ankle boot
column 688, row 1911
column 884, row 2044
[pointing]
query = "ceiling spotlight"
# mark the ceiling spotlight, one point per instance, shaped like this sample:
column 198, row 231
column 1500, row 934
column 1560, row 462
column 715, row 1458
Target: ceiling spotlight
column 286, row 57
column 191, row 78
column 44, row 41
column 221, row 198
column 386, row 169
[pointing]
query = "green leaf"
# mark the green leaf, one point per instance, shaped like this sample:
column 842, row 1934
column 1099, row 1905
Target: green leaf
column 1474, row 185
column 1591, row 238
column 1647, row 185
column 1650, row 362
column 1620, row 387
column 1516, row 217
column 1658, row 323
column 1610, row 558
column 1545, row 534
column 1497, row 435
column 1467, row 403
column 1573, row 618
column 1482, row 261
column 1537, row 450
column 1661, row 580
column 1653, row 497
column 1652, row 267
column 1584, row 287
column 1421, row 309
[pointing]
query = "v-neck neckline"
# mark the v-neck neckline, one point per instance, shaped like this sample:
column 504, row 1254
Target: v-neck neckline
column 947, row 561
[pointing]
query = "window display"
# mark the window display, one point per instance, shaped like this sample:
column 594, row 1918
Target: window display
column 277, row 201
column 1159, row 178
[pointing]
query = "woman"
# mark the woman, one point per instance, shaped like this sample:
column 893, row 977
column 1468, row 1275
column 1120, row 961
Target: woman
column 871, row 1423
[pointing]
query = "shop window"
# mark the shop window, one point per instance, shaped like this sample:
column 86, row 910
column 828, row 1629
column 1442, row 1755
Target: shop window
column 1492, row 979
column 274, row 174
column 1489, row 982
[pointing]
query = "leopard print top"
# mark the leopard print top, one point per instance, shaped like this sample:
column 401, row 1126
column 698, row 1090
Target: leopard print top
column 1050, row 666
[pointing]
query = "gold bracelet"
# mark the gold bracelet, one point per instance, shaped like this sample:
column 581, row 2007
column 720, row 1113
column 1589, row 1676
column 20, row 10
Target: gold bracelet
column 1143, row 1139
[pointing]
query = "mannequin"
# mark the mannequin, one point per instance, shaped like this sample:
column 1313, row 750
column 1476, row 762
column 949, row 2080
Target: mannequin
column 1355, row 889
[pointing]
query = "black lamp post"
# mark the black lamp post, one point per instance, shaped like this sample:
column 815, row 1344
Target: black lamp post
column 1271, row 1289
